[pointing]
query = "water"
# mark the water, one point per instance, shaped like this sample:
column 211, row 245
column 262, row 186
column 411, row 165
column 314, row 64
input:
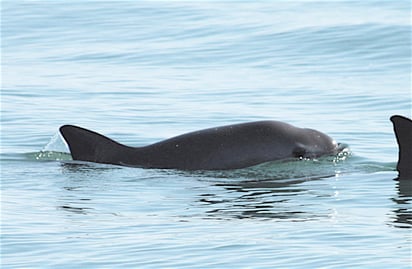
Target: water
column 140, row 72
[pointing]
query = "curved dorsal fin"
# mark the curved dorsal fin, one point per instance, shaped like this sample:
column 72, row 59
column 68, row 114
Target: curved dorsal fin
column 403, row 131
column 86, row 145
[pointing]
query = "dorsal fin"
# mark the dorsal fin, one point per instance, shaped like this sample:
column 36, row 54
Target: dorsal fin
column 403, row 131
column 86, row 145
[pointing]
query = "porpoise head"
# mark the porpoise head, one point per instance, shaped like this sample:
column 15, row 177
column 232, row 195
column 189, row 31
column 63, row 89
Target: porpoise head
column 315, row 144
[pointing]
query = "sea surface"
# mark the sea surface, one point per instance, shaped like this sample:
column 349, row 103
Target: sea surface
column 143, row 71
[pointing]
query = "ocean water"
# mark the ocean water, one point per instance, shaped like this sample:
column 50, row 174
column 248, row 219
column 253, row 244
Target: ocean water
column 143, row 71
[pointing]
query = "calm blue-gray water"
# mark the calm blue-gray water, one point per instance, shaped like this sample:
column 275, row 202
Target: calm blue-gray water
column 143, row 71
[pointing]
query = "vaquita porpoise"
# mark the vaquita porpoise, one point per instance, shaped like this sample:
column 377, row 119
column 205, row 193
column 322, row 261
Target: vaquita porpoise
column 226, row 147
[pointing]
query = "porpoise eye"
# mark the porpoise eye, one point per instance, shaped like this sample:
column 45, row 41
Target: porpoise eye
column 299, row 152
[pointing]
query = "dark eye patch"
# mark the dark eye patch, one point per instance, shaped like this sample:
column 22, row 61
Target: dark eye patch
column 299, row 152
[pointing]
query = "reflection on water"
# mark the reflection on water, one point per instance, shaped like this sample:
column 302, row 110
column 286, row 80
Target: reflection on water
column 293, row 191
column 80, row 167
column 81, row 178
column 72, row 209
column 403, row 214
column 262, row 199
column 405, row 188
column 268, row 191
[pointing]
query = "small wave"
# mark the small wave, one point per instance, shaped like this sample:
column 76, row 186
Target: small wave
column 56, row 144
column 49, row 156
column 55, row 150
